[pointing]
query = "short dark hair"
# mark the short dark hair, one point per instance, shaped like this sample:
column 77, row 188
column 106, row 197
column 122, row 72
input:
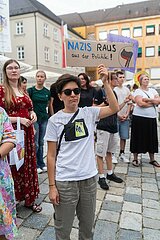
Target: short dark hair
column 64, row 79
column 119, row 73
column 111, row 74
column 23, row 79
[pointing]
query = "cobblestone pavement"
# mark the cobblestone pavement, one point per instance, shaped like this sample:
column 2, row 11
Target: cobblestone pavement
column 127, row 211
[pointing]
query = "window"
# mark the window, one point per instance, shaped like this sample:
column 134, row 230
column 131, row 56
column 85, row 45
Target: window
column 45, row 29
column 56, row 56
column 126, row 32
column 137, row 32
column 20, row 53
column 150, row 51
column 55, row 34
column 102, row 35
column 19, row 28
column 150, row 30
column 139, row 52
column 114, row 31
column 91, row 36
column 158, row 50
column 46, row 54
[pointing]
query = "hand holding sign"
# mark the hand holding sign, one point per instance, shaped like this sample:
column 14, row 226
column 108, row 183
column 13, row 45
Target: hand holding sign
column 102, row 71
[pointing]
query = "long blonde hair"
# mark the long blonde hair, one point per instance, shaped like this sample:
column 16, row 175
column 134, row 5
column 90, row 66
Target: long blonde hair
column 8, row 90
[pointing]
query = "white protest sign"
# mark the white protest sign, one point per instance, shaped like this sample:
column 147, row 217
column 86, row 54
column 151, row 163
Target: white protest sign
column 92, row 53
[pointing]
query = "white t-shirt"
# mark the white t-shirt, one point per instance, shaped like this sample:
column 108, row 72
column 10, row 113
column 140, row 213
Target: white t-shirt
column 122, row 93
column 76, row 159
column 148, row 111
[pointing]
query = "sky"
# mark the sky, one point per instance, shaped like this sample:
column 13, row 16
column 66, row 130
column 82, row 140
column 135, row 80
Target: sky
column 60, row 7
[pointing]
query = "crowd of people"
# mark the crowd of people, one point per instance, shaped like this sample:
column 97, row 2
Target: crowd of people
column 81, row 124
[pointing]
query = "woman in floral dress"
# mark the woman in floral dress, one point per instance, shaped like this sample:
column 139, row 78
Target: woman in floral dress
column 7, row 199
column 18, row 104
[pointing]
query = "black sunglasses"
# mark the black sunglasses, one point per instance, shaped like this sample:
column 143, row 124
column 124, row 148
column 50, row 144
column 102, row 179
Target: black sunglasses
column 68, row 92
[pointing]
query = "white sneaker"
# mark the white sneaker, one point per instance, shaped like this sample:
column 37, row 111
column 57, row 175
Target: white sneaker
column 114, row 159
column 123, row 158
column 39, row 170
column 44, row 169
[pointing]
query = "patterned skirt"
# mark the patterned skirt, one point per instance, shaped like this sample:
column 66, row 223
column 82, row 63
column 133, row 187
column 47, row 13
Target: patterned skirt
column 7, row 202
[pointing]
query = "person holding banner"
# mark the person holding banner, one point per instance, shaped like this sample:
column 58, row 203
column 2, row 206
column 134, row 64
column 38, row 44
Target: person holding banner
column 72, row 167
column 8, row 229
column 18, row 104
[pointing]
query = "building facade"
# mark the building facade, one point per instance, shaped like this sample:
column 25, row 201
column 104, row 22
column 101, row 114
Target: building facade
column 140, row 21
column 36, row 36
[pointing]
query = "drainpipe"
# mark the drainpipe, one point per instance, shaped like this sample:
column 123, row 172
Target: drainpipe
column 36, row 41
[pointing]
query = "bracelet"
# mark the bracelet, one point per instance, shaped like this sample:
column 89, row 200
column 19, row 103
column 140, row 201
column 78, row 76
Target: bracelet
column 51, row 185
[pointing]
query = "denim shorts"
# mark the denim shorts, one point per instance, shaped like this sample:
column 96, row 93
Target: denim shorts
column 123, row 128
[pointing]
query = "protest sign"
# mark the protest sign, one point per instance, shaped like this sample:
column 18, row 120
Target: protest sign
column 119, row 38
column 92, row 53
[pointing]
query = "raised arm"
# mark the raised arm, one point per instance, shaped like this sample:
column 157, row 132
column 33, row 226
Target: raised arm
column 113, row 104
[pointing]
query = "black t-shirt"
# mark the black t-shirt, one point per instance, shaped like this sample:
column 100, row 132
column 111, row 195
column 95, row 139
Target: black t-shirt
column 87, row 97
column 57, row 103
column 100, row 96
column 108, row 124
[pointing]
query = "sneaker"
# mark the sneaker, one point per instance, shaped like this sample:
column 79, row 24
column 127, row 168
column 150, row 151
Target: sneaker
column 114, row 159
column 114, row 178
column 39, row 170
column 103, row 184
column 44, row 169
column 123, row 158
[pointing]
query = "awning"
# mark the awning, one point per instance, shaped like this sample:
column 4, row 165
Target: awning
column 31, row 77
column 32, row 74
column 23, row 66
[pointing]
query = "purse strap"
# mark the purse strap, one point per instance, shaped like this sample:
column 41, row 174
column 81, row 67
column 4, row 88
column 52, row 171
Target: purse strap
column 62, row 133
column 149, row 97
column 18, row 123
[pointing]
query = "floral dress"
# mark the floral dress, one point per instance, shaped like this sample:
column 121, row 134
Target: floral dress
column 7, row 198
column 26, row 178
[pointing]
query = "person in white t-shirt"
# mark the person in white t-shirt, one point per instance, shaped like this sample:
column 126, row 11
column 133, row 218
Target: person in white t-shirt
column 144, row 137
column 123, row 94
column 72, row 173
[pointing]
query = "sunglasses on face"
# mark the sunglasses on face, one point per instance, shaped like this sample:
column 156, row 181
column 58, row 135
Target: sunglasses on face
column 68, row 92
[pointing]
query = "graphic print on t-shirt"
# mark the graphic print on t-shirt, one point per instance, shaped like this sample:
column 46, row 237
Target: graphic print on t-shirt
column 79, row 129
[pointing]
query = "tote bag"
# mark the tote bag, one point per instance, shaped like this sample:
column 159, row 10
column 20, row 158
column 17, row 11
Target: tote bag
column 16, row 156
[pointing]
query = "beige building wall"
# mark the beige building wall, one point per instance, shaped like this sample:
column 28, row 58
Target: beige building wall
column 150, row 64
column 27, row 39
column 34, row 42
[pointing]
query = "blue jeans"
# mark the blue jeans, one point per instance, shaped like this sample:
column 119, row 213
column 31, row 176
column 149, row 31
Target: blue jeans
column 40, row 128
